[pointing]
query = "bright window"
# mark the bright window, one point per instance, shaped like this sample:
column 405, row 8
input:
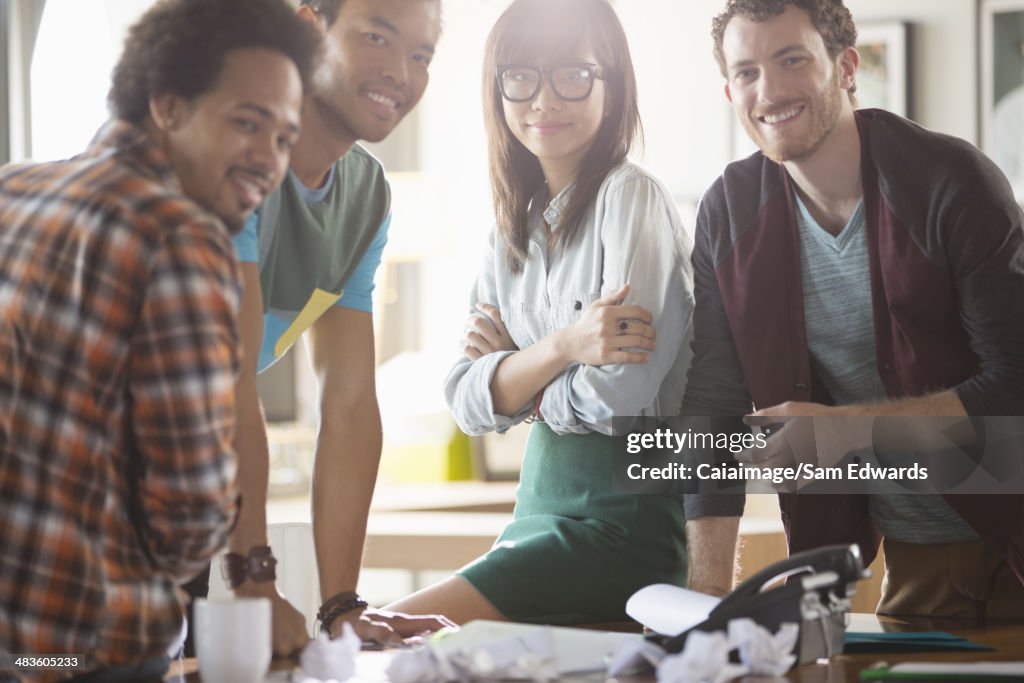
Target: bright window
column 75, row 53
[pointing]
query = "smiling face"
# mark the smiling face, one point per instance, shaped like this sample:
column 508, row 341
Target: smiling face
column 558, row 132
column 230, row 146
column 375, row 65
column 787, row 92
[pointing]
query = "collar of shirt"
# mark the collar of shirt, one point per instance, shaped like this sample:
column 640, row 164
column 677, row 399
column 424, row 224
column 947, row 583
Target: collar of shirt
column 120, row 136
column 555, row 209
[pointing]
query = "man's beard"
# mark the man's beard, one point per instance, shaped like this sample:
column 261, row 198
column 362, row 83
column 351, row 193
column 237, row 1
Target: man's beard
column 824, row 115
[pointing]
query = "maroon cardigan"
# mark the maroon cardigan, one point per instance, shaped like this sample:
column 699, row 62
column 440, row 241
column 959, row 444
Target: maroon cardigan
column 946, row 251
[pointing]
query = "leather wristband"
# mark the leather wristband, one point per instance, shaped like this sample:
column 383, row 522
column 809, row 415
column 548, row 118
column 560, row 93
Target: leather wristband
column 337, row 605
column 257, row 566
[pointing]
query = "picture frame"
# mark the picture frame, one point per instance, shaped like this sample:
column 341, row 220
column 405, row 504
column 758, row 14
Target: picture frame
column 883, row 77
column 1001, row 119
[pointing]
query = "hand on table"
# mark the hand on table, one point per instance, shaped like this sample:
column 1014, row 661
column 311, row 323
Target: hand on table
column 288, row 628
column 386, row 627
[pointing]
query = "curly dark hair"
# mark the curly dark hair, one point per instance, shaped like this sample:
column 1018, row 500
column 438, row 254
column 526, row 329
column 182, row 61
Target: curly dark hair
column 830, row 17
column 178, row 47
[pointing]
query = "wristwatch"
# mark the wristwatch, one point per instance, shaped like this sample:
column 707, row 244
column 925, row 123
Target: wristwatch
column 257, row 566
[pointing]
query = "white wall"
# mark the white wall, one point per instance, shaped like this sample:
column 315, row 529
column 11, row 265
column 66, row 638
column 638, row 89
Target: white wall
column 943, row 61
column 77, row 47
column 687, row 121
column 453, row 154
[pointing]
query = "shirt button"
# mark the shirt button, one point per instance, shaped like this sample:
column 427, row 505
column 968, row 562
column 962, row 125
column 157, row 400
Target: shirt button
column 578, row 305
column 801, row 387
column 887, row 366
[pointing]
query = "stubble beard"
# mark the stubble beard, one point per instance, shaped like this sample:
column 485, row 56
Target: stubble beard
column 824, row 112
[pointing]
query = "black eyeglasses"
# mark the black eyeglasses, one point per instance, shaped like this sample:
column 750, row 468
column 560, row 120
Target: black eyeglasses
column 570, row 82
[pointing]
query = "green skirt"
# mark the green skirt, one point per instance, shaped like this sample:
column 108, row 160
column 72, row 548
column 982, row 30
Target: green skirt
column 575, row 550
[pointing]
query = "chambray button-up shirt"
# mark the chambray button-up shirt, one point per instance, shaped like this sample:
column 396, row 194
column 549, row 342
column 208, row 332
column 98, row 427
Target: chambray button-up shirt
column 632, row 234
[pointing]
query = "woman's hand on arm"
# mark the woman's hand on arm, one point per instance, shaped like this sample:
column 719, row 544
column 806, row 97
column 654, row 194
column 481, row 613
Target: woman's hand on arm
column 486, row 335
column 609, row 333
column 601, row 336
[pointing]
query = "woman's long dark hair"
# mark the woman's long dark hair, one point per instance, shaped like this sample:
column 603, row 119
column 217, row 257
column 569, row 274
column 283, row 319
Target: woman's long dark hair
column 528, row 32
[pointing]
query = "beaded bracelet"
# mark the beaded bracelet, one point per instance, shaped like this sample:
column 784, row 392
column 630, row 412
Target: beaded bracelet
column 337, row 605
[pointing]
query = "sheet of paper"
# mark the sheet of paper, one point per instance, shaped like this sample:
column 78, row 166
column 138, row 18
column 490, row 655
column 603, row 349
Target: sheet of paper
column 575, row 650
column 669, row 609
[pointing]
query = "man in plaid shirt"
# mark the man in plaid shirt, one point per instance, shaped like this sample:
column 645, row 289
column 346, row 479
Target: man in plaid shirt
column 119, row 291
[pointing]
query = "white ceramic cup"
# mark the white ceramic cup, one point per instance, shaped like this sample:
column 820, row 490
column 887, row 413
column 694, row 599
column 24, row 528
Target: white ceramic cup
column 233, row 639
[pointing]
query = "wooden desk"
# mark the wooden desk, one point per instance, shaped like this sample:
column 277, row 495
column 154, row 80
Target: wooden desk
column 1006, row 638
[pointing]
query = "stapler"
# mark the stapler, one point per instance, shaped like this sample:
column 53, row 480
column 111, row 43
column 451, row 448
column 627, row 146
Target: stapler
column 816, row 596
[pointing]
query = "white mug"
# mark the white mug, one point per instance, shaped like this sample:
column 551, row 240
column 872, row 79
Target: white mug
column 233, row 639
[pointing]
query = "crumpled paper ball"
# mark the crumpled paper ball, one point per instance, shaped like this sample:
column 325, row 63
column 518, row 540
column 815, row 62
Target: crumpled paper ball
column 763, row 653
column 704, row 659
column 331, row 660
column 635, row 656
column 416, row 666
column 528, row 658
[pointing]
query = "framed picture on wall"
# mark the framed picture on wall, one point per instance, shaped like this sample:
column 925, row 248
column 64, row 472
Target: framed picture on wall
column 1002, row 87
column 882, row 78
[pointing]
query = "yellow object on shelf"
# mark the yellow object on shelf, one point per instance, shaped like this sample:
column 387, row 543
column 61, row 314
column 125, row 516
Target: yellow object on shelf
column 421, row 440
column 406, row 462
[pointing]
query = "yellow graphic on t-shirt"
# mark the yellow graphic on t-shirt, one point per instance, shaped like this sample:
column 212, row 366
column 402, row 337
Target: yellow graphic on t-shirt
column 318, row 304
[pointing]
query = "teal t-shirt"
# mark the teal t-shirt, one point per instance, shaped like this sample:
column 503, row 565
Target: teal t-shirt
column 317, row 248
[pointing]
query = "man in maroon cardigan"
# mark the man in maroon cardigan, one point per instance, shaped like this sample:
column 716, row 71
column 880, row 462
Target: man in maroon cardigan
column 858, row 265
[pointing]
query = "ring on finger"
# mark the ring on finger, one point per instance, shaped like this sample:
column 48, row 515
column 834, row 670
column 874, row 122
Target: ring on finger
column 623, row 326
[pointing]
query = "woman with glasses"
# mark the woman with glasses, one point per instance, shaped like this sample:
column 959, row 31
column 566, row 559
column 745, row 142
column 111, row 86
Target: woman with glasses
column 588, row 258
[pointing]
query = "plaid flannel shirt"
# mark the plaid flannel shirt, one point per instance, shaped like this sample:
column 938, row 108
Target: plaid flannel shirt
column 118, row 357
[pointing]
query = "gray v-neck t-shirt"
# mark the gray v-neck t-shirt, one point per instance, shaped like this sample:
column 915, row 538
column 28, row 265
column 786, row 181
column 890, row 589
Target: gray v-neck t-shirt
column 841, row 338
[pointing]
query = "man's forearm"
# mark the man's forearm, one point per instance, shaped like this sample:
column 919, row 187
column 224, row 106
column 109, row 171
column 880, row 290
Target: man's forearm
column 253, row 468
column 940, row 404
column 345, row 472
column 711, row 546
column 921, row 424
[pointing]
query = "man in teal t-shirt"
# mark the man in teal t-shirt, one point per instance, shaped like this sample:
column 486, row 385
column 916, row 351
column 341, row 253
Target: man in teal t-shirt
column 317, row 248
column 308, row 262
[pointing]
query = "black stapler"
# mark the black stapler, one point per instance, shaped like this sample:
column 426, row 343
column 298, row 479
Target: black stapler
column 816, row 596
